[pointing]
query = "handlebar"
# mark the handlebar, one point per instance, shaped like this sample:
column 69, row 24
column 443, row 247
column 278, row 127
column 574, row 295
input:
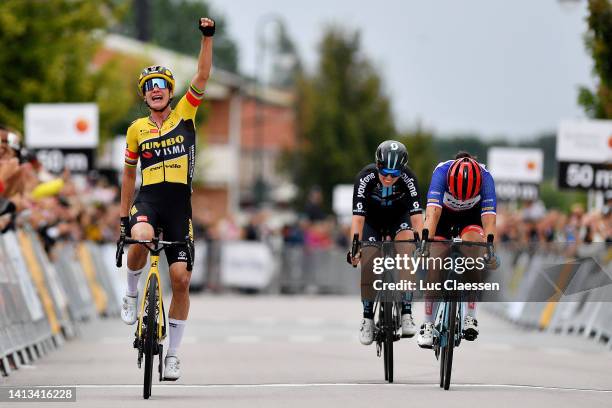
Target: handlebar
column 158, row 246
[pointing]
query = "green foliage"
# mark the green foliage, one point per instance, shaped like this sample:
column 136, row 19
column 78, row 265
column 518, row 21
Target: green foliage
column 174, row 25
column 48, row 48
column 342, row 115
column 598, row 40
column 561, row 200
column 422, row 157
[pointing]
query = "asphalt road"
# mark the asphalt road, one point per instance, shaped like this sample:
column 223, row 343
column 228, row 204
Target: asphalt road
column 272, row 351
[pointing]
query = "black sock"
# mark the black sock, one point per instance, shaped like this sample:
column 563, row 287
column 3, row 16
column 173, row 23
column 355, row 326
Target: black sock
column 368, row 309
column 406, row 308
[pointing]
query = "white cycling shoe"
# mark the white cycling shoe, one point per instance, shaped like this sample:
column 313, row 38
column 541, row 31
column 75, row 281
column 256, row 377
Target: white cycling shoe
column 408, row 327
column 426, row 335
column 128, row 309
column 366, row 332
column 470, row 328
column 172, row 368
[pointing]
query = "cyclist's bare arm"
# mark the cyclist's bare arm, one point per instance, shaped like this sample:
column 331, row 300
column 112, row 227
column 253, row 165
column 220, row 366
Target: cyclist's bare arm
column 488, row 224
column 204, row 59
column 417, row 223
column 432, row 216
column 128, row 183
column 357, row 223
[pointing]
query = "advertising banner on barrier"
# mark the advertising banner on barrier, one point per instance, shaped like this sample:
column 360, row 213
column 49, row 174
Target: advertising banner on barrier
column 246, row 265
column 27, row 288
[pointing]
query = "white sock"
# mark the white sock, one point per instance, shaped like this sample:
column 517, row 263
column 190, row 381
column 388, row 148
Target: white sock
column 177, row 327
column 132, row 282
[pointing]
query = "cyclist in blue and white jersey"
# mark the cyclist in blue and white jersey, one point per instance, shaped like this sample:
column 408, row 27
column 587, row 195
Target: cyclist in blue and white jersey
column 461, row 201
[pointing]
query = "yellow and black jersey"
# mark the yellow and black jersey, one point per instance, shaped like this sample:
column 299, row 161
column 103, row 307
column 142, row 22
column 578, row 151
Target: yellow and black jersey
column 167, row 155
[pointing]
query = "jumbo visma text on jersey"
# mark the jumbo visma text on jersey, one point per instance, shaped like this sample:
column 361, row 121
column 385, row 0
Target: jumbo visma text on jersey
column 166, row 155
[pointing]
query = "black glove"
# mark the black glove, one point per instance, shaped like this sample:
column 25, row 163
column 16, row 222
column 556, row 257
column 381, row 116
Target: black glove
column 208, row 31
column 124, row 227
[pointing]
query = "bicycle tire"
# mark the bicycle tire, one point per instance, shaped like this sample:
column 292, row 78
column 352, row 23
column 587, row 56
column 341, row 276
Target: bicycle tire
column 452, row 327
column 442, row 365
column 442, row 349
column 381, row 333
column 389, row 334
column 150, row 340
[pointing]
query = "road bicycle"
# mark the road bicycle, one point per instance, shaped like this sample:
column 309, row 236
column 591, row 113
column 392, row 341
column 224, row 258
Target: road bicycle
column 387, row 303
column 151, row 328
column 448, row 324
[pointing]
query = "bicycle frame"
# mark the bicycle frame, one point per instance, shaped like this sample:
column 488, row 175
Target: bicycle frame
column 153, row 274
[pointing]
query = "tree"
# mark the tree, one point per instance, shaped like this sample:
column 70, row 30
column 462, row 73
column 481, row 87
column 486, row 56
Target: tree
column 422, row 156
column 343, row 115
column 48, row 48
column 598, row 41
column 173, row 25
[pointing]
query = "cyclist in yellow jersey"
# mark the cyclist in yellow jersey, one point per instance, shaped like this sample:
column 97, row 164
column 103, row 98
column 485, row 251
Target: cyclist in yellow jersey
column 164, row 142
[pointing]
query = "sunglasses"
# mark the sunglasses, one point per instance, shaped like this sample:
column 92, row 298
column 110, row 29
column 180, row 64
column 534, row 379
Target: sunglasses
column 390, row 172
column 150, row 84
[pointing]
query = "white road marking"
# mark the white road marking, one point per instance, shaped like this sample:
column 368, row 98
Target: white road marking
column 313, row 385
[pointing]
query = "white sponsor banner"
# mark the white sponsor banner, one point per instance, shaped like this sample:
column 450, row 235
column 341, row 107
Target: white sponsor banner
column 61, row 125
column 25, row 282
column 586, row 141
column 246, row 264
column 516, row 164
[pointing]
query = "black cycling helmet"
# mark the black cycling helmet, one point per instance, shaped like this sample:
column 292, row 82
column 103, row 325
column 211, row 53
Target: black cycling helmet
column 391, row 157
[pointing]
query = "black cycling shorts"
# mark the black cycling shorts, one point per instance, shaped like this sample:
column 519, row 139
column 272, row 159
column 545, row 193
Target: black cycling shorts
column 174, row 220
column 452, row 223
column 377, row 230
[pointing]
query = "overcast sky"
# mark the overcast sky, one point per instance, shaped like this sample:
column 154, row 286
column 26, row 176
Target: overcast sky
column 494, row 67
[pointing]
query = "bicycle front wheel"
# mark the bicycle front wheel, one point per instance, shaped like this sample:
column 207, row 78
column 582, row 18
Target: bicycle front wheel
column 451, row 332
column 150, row 332
column 389, row 333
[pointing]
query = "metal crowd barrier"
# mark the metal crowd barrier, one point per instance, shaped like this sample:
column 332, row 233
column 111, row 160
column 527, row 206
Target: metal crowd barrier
column 43, row 298
column 582, row 303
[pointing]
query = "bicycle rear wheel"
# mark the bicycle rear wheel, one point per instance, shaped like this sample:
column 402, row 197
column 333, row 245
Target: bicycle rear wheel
column 452, row 328
column 150, row 340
